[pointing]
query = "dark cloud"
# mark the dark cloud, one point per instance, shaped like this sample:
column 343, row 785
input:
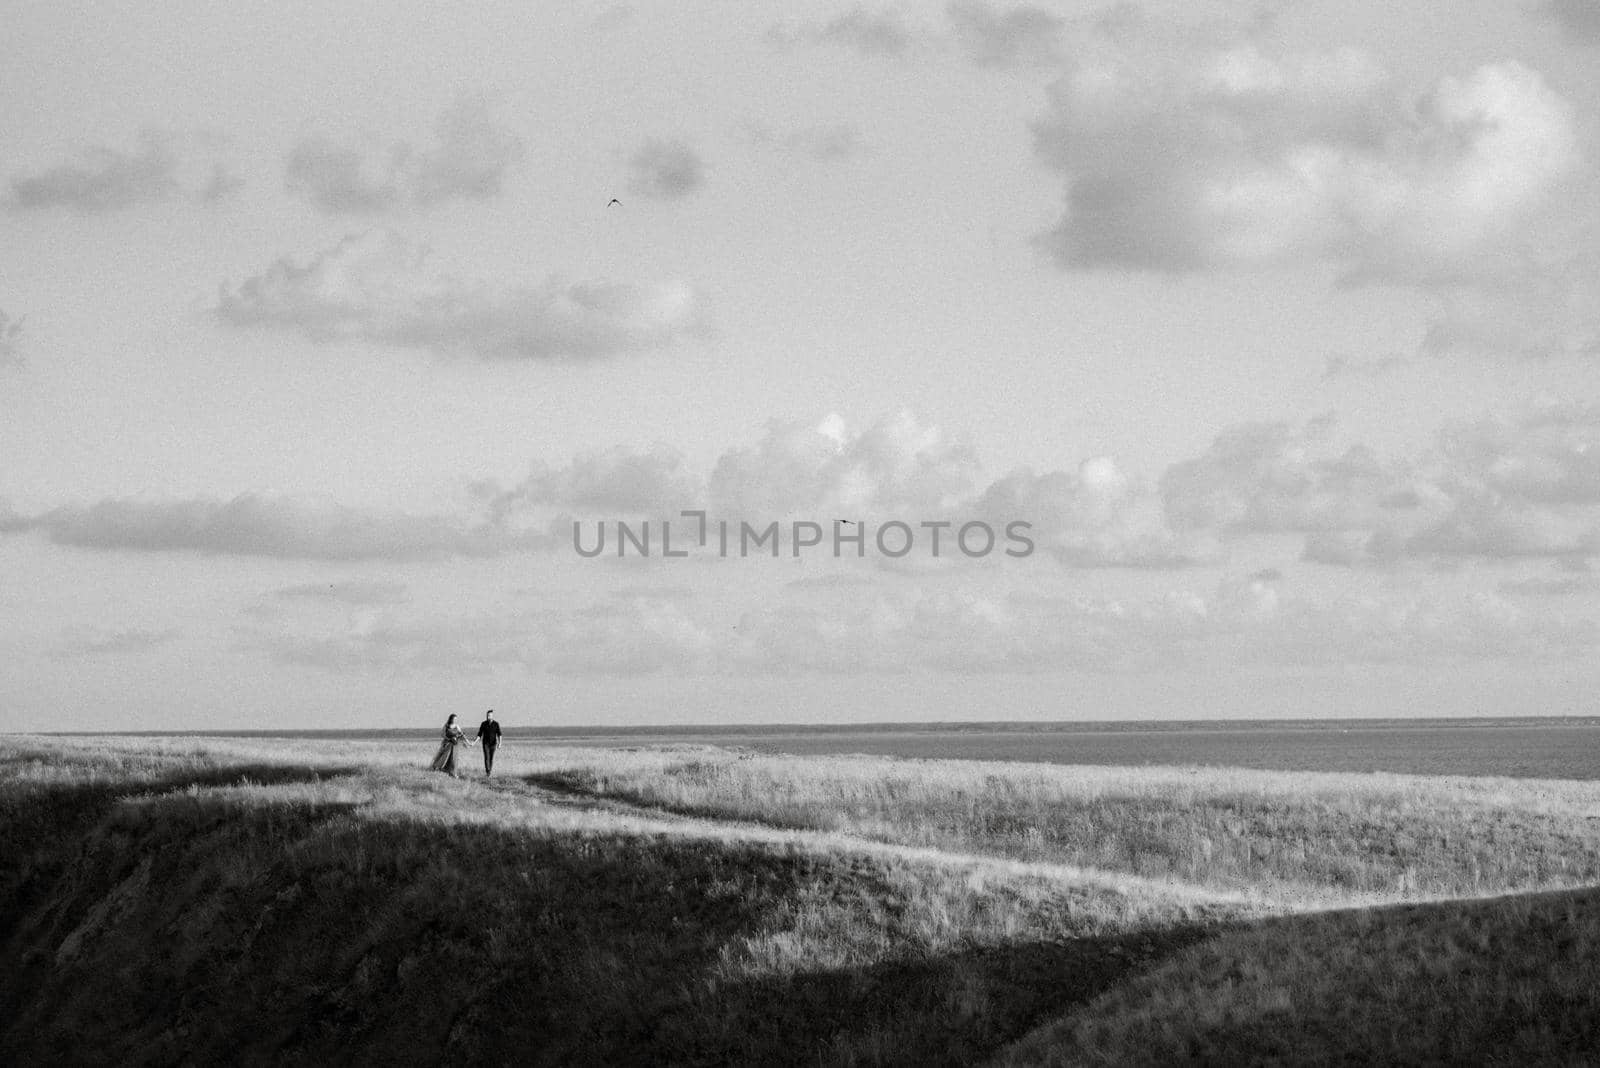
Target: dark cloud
column 378, row 287
column 1013, row 37
column 105, row 179
column 468, row 162
column 665, row 170
column 283, row 528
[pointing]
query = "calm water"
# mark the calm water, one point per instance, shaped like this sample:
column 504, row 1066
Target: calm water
column 1565, row 748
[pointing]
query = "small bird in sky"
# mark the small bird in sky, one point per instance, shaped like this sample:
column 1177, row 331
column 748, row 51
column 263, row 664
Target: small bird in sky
column 615, row 201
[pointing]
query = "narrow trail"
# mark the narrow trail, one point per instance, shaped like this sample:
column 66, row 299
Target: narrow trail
column 654, row 819
column 650, row 819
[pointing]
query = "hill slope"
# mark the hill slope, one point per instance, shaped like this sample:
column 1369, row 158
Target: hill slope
column 173, row 904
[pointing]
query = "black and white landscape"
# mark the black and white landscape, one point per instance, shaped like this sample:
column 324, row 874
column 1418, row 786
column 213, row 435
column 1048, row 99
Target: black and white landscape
column 643, row 367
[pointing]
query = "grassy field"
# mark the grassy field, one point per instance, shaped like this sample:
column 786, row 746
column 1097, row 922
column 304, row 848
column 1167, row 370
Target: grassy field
column 204, row 900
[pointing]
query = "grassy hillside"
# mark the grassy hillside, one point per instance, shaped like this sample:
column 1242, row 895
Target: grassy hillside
column 271, row 902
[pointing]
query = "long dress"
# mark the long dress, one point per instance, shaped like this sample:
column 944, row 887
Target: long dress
column 445, row 759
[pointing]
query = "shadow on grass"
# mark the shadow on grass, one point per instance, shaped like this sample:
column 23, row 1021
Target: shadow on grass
column 206, row 928
column 1508, row 980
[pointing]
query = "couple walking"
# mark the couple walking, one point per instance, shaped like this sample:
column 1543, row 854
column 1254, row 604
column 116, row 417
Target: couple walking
column 488, row 736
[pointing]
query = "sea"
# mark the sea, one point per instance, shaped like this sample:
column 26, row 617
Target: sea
column 1553, row 747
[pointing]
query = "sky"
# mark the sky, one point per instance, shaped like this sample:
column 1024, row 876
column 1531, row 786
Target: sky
column 323, row 328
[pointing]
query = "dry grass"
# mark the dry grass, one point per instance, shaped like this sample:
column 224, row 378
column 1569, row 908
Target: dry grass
column 1301, row 837
column 273, row 900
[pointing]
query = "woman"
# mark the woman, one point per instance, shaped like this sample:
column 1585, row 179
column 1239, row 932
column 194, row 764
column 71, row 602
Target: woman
column 454, row 737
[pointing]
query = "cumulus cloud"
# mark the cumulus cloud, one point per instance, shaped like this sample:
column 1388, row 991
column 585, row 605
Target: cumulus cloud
column 102, row 179
column 1504, row 486
column 896, row 467
column 1014, row 37
column 861, row 29
column 379, row 287
column 1261, row 477
column 468, row 162
column 1096, row 517
column 1183, row 157
column 615, row 481
column 279, row 527
column 1488, row 524
column 665, row 170
column 1549, row 453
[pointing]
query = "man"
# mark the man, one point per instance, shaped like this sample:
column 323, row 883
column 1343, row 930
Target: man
column 489, row 737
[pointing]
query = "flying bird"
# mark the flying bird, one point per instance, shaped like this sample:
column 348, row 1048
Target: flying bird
column 615, row 201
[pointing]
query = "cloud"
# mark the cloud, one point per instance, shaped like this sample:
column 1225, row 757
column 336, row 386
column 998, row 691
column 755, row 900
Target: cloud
column 10, row 340
column 896, row 468
column 468, row 162
column 1017, row 37
column 278, row 527
column 665, row 170
column 1493, row 525
column 1548, row 453
column 82, row 641
column 616, row 481
column 1579, row 20
column 1505, row 486
column 1265, row 477
column 340, row 178
column 1180, row 156
column 380, row 288
column 105, row 179
column 871, row 33
column 1096, row 517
